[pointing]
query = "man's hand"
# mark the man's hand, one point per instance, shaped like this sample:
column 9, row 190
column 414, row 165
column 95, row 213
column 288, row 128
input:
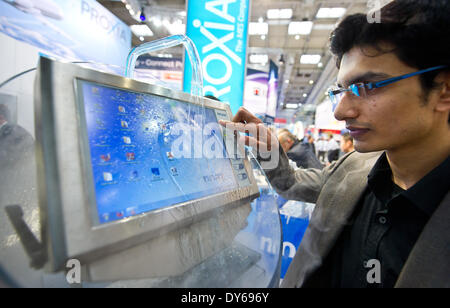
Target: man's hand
column 258, row 136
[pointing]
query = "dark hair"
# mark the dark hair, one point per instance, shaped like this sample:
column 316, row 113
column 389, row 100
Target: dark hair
column 419, row 30
column 347, row 137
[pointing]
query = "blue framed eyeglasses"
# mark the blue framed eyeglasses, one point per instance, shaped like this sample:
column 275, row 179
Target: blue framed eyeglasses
column 361, row 89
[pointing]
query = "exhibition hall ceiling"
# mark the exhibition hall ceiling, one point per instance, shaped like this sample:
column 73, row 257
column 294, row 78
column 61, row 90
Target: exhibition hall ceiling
column 302, row 83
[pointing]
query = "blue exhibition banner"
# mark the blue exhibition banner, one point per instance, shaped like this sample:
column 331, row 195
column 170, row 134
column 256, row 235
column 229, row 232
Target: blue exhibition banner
column 68, row 29
column 295, row 217
column 218, row 29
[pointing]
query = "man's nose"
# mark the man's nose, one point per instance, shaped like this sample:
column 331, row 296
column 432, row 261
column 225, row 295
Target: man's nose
column 347, row 108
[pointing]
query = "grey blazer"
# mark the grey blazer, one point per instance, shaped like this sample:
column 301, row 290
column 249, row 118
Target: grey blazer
column 336, row 191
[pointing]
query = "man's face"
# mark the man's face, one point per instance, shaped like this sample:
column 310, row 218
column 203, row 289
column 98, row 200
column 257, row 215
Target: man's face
column 345, row 145
column 285, row 143
column 391, row 117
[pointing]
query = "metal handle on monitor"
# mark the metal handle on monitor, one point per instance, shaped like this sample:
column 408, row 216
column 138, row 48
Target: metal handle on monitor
column 168, row 42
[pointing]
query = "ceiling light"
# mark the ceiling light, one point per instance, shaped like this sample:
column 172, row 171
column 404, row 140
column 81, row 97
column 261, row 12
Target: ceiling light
column 305, row 95
column 291, row 106
column 300, row 27
column 336, row 12
column 297, row 37
column 260, row 19
column 279, row 14
column 310, row 59
column 320, row 64
column 263, row 37
column 311, row 82
column 141, row 38
column 141, row 30
column 258, row 28
column 324, row 27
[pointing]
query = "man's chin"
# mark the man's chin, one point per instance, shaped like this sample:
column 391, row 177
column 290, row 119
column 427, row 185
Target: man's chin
column 366, row 148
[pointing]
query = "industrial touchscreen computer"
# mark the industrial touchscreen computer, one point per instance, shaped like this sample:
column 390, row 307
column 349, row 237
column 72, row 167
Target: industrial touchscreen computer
column 132, row 138
column 121, row 162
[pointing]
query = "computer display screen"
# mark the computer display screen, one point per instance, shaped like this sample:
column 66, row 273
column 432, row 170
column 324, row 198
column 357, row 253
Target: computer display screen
column 149, row 152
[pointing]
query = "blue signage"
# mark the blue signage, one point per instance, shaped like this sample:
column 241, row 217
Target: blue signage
column 295, row 216
column 68, row 29
column 160, row 64
column 218, row 29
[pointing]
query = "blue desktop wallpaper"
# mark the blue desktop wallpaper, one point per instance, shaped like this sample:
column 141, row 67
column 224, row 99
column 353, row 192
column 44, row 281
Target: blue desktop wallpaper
column 135, row 169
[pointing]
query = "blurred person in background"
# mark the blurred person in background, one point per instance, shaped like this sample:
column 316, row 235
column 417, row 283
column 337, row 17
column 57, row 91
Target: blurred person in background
column 332, row 149
column 321, row 147
column 311, row 142
column 347, row 143
column 14, row 140
column 299, row 152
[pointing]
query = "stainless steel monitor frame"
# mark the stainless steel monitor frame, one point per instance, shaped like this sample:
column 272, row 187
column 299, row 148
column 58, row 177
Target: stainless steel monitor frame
column 65, row 180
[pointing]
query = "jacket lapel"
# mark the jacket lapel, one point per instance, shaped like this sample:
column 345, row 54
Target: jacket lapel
column 336, row 204
column 428, row 264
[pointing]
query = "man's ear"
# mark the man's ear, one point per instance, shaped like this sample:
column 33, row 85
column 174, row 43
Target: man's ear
column 443, row 104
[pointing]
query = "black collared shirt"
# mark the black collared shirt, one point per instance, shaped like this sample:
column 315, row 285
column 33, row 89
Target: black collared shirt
column 384, row 228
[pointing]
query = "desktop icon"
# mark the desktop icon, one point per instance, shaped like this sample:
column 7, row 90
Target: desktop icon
column 121, row 109
column 170, row 155
column 131, row 211
column 107, row 177
column 174, row 171
column 155, row 171
column 105, row 217
column 105, row 158
column 126, row 140
column 124, row 124
column 130, row 156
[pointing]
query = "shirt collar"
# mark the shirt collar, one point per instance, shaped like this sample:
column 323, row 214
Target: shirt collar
column 425, row 194
column 380, row 179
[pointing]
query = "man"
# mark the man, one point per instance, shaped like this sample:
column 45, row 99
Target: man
column 347, row 143
column 298, row 152
column 13, row 138
column 321, row 146
column 16, row 162
column 382, row 215
column 332, row 149
column 310, row 141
